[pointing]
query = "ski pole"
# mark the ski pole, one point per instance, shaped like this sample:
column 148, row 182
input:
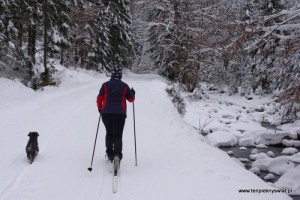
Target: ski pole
column 134, row 135
column 90, row 168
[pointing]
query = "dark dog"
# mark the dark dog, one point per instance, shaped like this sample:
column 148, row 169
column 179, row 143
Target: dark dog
column 32, row 147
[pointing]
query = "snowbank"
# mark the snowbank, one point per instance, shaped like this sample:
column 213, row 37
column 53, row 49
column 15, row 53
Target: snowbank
column 13, row 90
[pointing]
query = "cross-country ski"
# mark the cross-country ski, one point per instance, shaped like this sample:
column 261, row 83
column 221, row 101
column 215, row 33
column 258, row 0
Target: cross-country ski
column 116, row 170
column 115, row 182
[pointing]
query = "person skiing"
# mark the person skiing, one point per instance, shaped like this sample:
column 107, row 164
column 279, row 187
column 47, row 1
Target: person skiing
column 111, row 103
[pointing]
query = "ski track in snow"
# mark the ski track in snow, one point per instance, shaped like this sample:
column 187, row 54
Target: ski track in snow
column 173, row 162
column 104, row 178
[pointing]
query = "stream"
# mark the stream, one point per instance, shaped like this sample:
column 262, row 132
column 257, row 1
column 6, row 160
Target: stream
column 243, row 155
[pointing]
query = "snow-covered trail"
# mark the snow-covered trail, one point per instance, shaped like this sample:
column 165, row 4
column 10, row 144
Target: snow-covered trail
column 173, row 162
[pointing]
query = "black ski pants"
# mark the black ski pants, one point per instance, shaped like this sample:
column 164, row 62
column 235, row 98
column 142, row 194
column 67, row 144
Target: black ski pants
column 114, row 124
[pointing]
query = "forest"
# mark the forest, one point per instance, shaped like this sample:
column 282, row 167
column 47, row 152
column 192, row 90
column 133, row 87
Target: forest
column 238, row 46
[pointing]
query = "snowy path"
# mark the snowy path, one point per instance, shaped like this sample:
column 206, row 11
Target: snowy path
column 173, row 162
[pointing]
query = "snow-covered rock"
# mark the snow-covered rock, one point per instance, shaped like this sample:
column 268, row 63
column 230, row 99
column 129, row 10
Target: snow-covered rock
column 243, row 148
column 291, row 143
column 293, row 129
column 271, row 137
column 269, row 176
column 271, row 154
column 279, row 165
column 261, row 146
column 295, row 158
column 222, row 138
column 255, row 170
column 254, row 151
column 257, row 156
column 290, row 181
column 289, row 151
column 243, row 159
column 246, row 142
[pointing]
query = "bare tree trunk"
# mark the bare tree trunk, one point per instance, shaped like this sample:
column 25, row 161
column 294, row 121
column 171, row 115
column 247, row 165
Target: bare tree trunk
column 32, row 33
column 177, row 18
column 45, row 38
column 20, row 35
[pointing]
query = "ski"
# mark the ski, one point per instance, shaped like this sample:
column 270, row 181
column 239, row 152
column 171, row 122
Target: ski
column 115, row 181
column 110, row 166
column 116, row 167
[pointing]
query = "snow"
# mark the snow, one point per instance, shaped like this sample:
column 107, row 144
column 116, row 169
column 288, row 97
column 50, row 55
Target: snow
column 255, row 170
column 290, row 179
column 269, row 176
column 271, row 154
column 270, row 137
column 222, row 138
column 239, row 116
column 294, row 129
column 9, row 89
column 295, row 158
column 254, row 151
column 174, row 162
column 279, row 165
column 257, row 156
column 248, row 122
column 243, row 148
column 289, row 151
column 246, row 142
column 291, row 143
column 261, row 146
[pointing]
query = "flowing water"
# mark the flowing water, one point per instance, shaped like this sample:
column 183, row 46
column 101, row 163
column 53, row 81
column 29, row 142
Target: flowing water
column 243, row 154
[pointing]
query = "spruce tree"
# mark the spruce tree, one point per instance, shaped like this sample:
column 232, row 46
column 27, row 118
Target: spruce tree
column 120, row 36
column 59, row 27
column 102, row 36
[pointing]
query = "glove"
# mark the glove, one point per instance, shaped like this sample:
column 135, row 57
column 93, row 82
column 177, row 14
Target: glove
column 133, row 91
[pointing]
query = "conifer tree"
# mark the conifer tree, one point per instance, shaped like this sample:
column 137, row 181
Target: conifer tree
column 59, row 27
column 103, row 35
column 120, row 36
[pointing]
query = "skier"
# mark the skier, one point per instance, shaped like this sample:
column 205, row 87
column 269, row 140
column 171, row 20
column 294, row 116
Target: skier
column 111, row 103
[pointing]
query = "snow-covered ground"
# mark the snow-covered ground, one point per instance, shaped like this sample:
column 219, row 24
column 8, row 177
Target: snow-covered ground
column 174, row 162
column 235, row 120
